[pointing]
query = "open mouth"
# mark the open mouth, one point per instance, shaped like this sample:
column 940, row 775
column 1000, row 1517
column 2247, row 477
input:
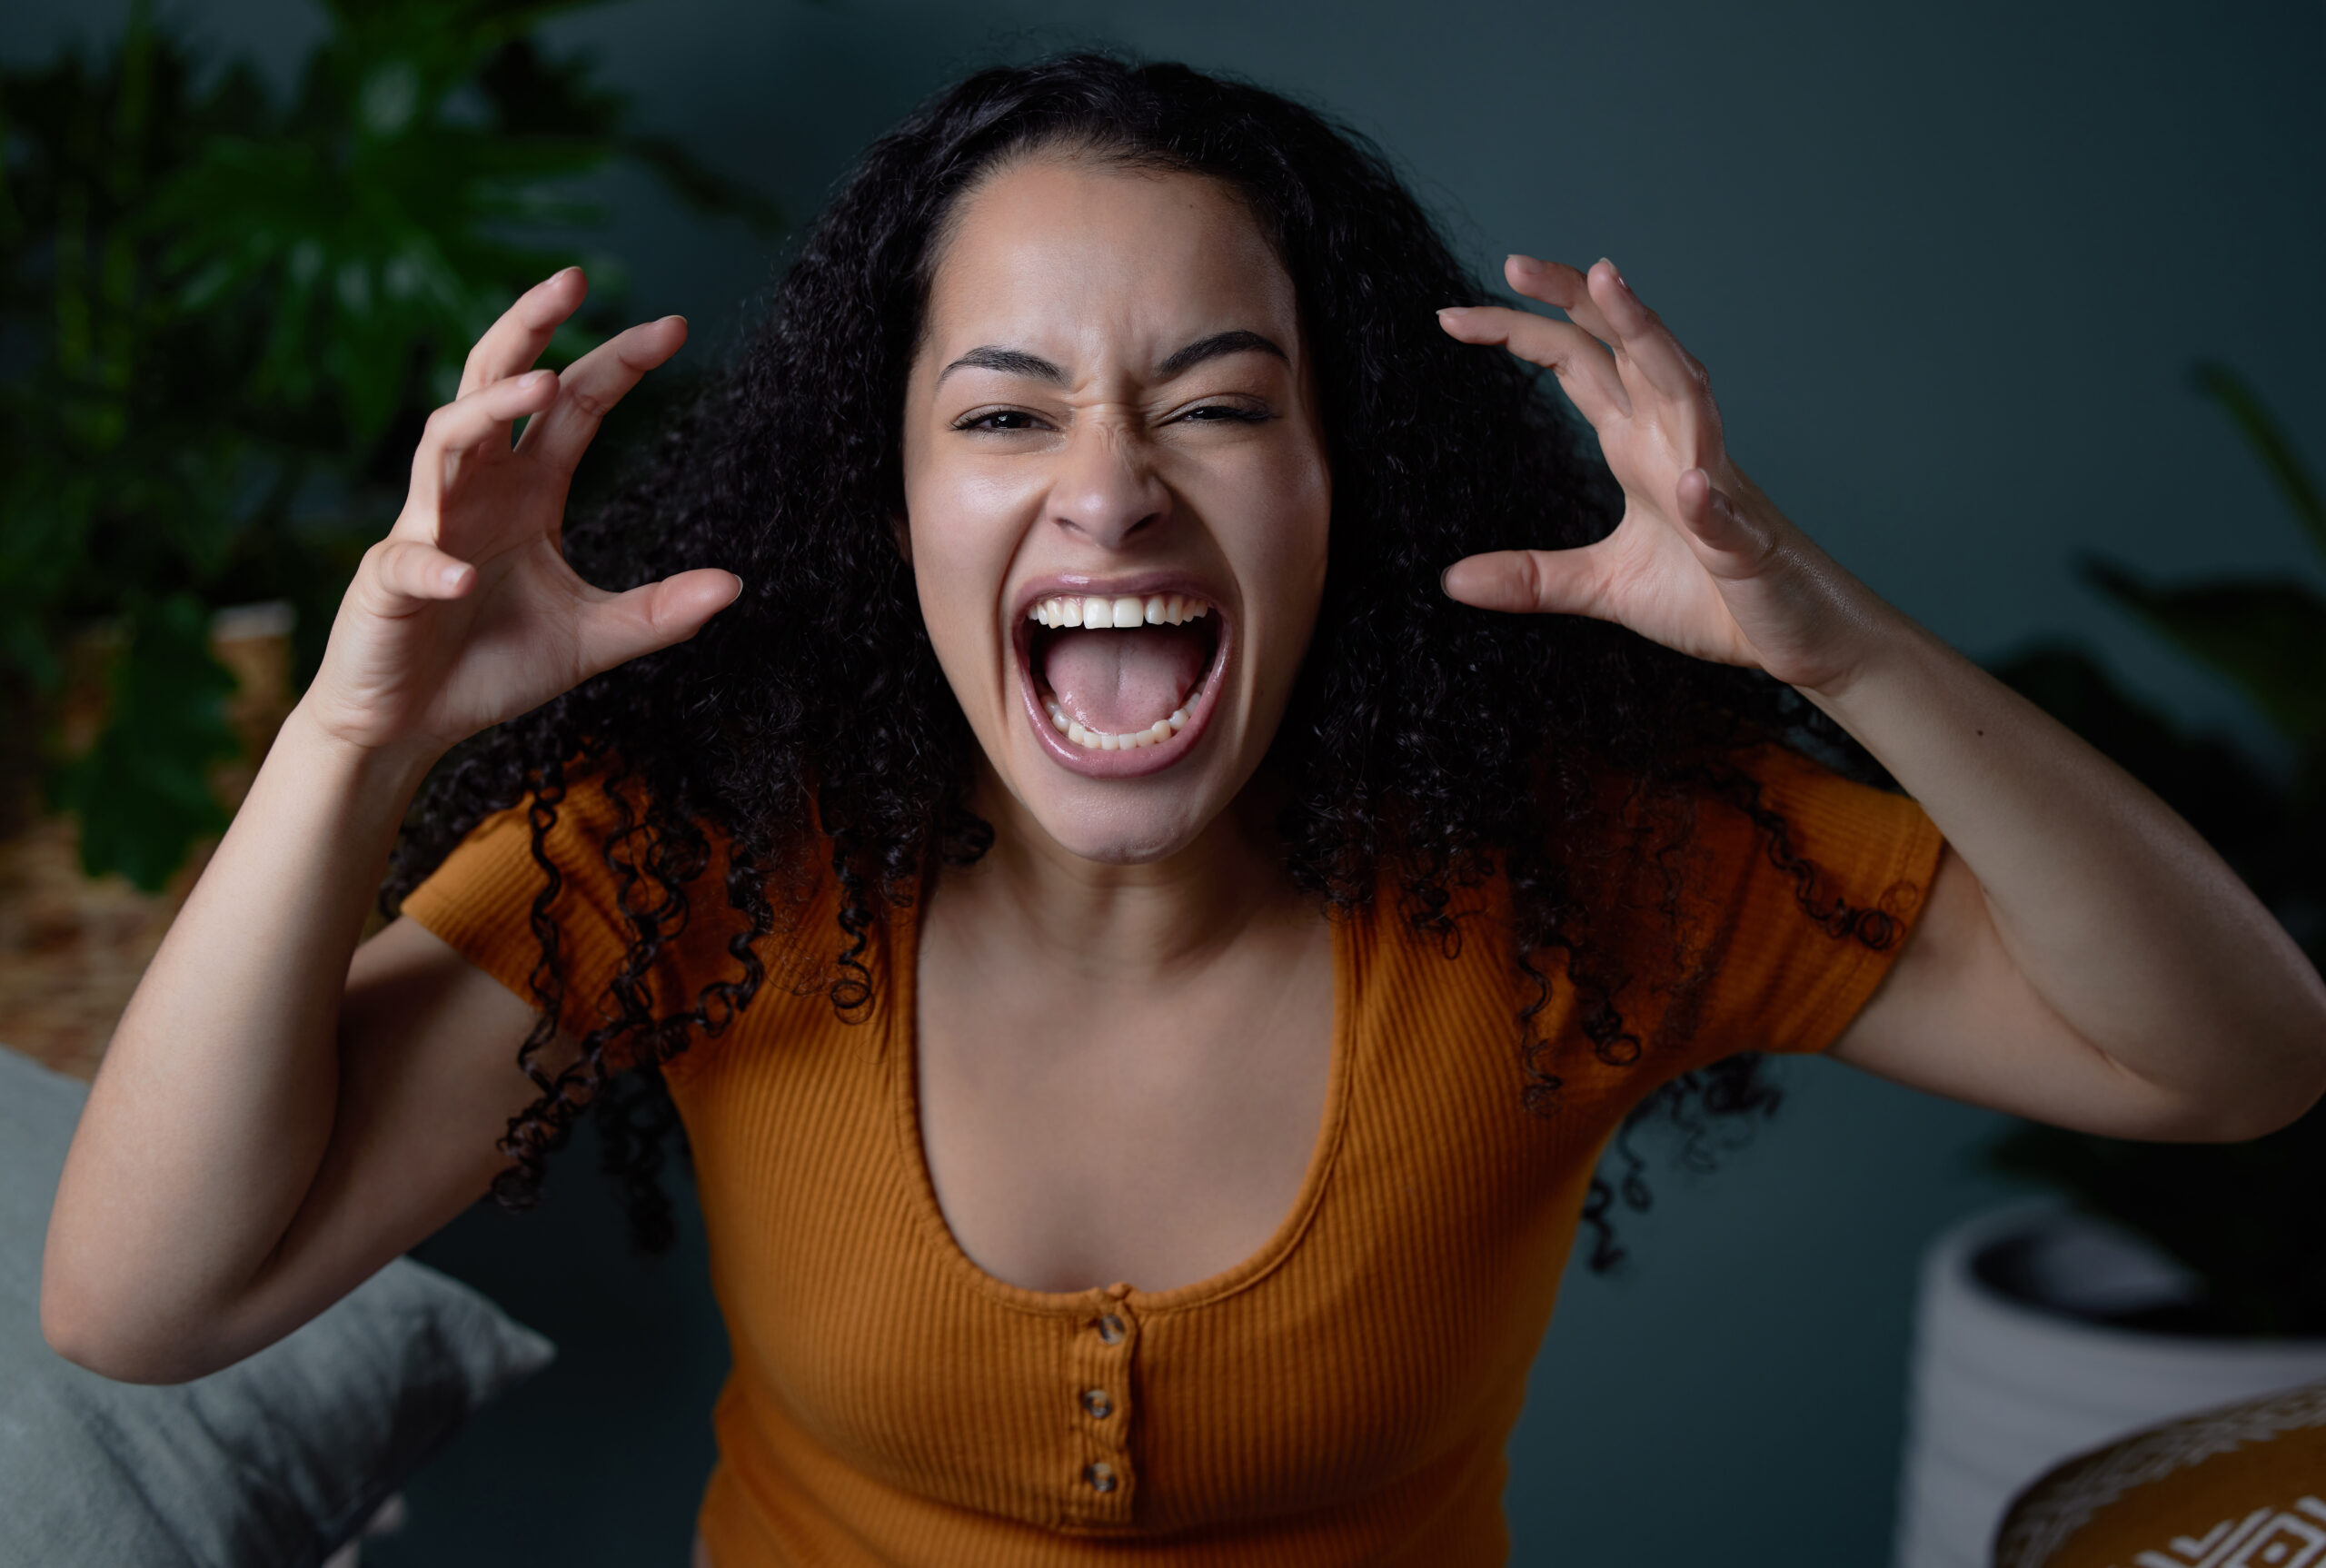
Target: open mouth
column 1121, row 683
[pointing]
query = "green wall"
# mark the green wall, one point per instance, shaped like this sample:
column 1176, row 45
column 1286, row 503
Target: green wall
column 1946, row 265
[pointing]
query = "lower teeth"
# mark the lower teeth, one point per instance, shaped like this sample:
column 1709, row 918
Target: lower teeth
column 1089, row 740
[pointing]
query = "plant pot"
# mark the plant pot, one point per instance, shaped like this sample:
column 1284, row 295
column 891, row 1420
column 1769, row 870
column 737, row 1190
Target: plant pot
column 2015, row 1366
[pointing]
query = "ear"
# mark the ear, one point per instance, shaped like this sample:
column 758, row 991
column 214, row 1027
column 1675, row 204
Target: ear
column 900, row 530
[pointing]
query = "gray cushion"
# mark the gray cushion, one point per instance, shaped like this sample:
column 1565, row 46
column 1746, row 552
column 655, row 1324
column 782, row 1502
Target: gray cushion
column 276, row 1459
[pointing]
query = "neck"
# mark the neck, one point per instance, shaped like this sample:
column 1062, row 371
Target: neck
column 1111, row 925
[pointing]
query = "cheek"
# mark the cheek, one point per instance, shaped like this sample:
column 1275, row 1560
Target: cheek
column 966, row 517
column 960, row 547
column 1288, row 541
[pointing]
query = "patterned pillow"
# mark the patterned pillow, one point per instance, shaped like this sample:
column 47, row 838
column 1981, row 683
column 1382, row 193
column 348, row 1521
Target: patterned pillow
column 2242, row 1486
column 277, row 1459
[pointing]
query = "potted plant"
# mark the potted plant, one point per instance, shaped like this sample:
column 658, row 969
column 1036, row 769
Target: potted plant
column 227, row 311
column 2158, row 1278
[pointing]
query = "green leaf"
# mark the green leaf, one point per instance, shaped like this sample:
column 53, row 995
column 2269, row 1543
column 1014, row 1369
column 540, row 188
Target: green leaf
column 222, row 302
column 142, row 790
column 2268, row 637
column 2226, row 388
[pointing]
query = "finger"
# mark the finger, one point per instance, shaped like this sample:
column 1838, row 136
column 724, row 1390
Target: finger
column 1720, row 524
column 461, row 426
column 513, row 344
column 1556, row 283
column 1529, row 581
column 1642, row 337
column 400, row 576
column 1584, row 368
column 619, row 627
column 593, row 384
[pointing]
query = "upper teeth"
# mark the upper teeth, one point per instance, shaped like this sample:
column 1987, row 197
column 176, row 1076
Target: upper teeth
column 1129, row 610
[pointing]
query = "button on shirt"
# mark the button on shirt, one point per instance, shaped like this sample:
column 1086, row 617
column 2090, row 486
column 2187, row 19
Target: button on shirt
column 1106, row 1355
column 1342, row 1395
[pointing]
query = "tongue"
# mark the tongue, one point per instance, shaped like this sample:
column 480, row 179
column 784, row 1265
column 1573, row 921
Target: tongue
column 1123, row 682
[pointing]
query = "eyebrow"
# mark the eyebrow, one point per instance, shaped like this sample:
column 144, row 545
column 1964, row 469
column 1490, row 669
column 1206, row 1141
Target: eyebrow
column 1018, row 363
column 1213, row 347
column 1009, row 362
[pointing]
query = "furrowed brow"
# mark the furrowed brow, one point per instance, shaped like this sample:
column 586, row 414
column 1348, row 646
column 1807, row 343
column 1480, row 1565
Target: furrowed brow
column 1009, row 362
column 1212, row 348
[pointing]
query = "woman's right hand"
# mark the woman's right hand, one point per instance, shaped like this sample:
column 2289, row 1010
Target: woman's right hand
column 466, row 613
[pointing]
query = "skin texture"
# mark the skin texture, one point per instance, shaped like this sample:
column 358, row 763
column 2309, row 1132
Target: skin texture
column 2085, row 958
column 1123, row 982
column 1167, row 1142
column 1111, row 470
column 279, row 1113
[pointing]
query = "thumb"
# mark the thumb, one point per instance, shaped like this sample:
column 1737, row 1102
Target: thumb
column 1527, row 581
column 620, row 627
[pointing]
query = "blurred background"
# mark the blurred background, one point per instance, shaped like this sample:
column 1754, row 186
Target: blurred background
column 2017, row 309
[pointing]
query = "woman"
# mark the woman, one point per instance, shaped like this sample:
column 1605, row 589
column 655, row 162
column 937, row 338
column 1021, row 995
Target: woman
column 1100, row 905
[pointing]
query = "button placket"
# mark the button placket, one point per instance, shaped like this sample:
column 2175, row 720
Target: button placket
column 1104, row 1348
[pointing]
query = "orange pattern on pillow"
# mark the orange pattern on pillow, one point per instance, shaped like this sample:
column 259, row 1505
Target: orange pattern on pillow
column 2242, row 1486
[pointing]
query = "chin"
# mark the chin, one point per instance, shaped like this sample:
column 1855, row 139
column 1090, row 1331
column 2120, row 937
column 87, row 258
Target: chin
column 1120, row 823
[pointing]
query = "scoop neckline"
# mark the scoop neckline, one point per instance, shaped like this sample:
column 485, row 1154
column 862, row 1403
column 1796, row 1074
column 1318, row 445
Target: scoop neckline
column 902, row 1054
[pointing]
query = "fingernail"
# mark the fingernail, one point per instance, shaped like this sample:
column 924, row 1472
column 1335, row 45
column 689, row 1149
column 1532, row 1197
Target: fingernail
column 1524, row 263
column 1445, row 311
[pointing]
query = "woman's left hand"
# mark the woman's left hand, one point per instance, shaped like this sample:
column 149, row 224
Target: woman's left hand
column 1702, row 561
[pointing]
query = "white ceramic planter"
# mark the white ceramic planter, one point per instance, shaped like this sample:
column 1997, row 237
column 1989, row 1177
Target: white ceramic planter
column 1999, row 1390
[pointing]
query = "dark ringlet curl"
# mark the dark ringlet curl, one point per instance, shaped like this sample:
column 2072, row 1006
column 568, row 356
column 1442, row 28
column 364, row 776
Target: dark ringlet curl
column 811, row 718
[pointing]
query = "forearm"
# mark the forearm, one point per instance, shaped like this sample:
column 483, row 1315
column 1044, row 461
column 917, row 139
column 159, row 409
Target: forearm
column 2107, row 922
column 2117, row 913
column 215, row 1101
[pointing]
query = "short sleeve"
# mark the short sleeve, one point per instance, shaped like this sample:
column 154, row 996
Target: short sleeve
column 481, row 902
column 1795, row 909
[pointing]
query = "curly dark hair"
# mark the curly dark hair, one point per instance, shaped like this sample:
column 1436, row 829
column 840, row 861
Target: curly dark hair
column 1448, row 743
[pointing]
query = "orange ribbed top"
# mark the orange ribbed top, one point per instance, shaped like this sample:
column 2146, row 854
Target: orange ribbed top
column 1341, row 1397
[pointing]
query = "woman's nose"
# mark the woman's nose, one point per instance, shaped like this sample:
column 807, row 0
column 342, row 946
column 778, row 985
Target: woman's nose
column 1108, row 490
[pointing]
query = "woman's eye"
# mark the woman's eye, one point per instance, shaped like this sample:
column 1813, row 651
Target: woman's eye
column 1011, row 420
column 1007, row 419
